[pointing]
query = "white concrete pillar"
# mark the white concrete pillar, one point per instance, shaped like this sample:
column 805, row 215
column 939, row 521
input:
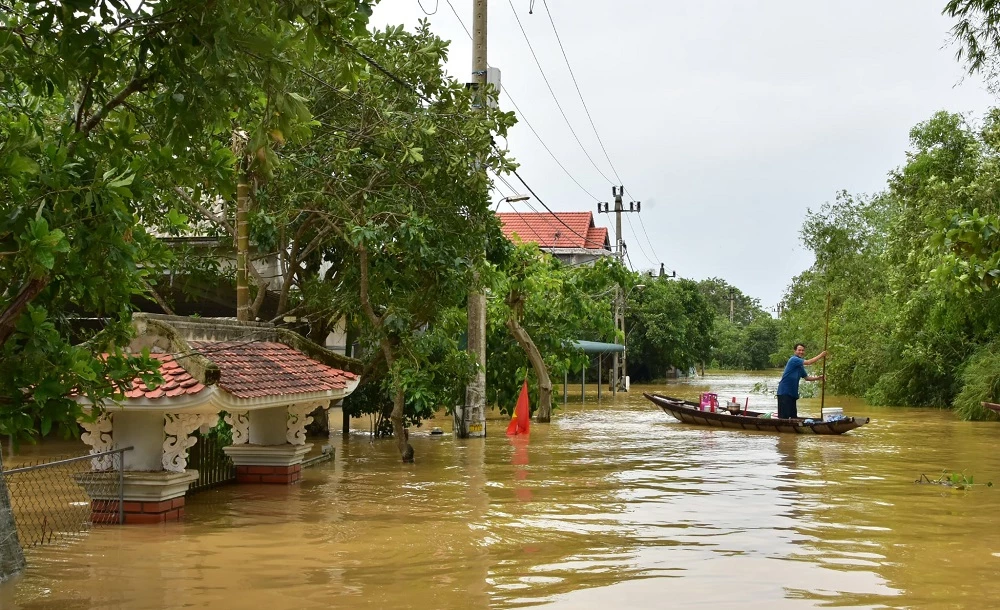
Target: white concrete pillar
column 267, row 426
column 144, row 432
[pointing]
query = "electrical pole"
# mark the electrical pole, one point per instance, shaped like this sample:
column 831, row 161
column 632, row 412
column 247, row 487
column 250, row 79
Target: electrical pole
column 618, row 367
column 470, row 418
column 732, row 299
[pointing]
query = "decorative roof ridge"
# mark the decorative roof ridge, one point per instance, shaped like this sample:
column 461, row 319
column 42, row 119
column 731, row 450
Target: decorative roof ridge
column 155, row 334
column 228, row 329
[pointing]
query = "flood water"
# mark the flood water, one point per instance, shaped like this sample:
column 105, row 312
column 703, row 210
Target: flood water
column 613, row 504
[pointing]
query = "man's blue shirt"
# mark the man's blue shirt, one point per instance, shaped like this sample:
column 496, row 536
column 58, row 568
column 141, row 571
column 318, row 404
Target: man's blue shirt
column 794, row 370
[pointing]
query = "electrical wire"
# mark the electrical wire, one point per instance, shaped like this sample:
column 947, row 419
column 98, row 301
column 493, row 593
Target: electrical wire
column 590, row 118
column 641, row 249
column 553, row 93
column 549, row 210
column 436, row 5
column 523, row 117
column 407, row 85
column 580, row 93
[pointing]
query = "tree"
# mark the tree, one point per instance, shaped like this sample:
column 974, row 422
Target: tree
column 83, row 91
column 387, row 198
column 670, row 325
column 544, row 305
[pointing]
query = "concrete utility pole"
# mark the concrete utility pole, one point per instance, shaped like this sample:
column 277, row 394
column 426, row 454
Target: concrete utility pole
column 732, row 299
column 618, row 367
column 470, row 419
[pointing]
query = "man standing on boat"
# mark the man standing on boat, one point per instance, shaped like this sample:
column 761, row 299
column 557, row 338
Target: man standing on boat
column 788, row 387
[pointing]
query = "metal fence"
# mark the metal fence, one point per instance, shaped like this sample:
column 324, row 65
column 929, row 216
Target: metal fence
column 60, row 499
column 213, row 465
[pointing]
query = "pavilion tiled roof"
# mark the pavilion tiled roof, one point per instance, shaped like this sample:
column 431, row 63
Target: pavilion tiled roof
column 262, row 369
column 176, row 381
column 576, row 229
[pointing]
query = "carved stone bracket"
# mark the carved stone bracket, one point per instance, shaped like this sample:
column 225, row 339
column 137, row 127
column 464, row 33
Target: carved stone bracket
column 178, row 428
column 99, row 436
column 298, row 419
column 240, row 422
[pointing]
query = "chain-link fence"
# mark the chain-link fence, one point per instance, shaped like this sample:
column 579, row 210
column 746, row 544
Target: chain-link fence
column 60, row 499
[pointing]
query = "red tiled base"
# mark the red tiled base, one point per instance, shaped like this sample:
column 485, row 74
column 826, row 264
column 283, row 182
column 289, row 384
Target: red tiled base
column 106, row 511
column 278, row 475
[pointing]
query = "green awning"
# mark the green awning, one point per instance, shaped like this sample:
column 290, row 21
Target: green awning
column 596, row 347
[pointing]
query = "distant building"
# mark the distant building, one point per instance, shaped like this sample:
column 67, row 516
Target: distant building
column 569, row 236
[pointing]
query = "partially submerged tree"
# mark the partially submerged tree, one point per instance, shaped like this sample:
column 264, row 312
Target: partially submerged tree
column 101, row 102
column 545, row 305
column 392, row 192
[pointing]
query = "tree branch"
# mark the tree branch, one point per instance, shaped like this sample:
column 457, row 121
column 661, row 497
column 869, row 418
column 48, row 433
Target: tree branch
column 9, row 316
column 219, row 220
column 133, row 86
column 156, row 297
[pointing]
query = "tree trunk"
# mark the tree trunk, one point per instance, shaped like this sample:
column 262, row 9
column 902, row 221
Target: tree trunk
column 544, row 413
column 9, row 317
column 398, row 432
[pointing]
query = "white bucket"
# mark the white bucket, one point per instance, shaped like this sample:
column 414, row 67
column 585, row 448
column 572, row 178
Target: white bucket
column 831, row 412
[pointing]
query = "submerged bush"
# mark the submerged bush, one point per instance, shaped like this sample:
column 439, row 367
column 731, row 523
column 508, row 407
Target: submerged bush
column 980, row 382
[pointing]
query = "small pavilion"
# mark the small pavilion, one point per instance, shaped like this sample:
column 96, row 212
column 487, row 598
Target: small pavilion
column 264, row 381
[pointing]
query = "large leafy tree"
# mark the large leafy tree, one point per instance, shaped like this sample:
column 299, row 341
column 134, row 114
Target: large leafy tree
column 385, row 213
column 102, row 105
column 744, row 336
column 670, row 325
column 909, row 311
column 545, row 305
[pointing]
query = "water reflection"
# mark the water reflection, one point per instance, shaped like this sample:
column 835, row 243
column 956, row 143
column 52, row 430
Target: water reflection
column 612, row 504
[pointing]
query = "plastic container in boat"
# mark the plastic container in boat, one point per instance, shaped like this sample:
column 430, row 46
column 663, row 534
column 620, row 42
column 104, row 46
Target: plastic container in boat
column 831, row 412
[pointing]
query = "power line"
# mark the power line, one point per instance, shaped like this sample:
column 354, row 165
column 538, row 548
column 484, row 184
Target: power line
column 549, row 210
column 436, row 5
column 590, row 118
column 407, row 85
column 553, row 93
column 580, row 93
column 524, row 117
column 641, row 249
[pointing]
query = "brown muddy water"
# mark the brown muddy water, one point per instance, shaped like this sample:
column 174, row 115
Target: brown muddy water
column 613, row 504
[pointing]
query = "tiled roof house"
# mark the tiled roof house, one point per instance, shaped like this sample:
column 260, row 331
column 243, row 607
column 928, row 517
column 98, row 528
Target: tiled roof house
column 569, row 236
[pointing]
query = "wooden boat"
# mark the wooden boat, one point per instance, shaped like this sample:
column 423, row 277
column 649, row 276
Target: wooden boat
column 992, row 406
column 688, row 412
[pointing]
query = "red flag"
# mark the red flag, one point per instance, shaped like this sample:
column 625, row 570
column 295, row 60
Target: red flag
column 521, row 420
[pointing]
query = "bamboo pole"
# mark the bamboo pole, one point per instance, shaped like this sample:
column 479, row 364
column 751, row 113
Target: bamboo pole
column 826, row 339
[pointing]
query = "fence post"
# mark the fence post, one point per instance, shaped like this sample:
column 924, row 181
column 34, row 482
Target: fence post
column 121, row 487
column 11, row 554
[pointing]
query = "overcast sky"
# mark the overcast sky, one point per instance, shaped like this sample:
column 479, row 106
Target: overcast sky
column 728, row 119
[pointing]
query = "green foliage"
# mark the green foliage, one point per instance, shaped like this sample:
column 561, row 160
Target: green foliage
column 104, row 107
column 749, row 339
column 555, row 304
column 955, row 480
column 908, row 270
column 980, row 383
column 383, row 216
column 670, row 325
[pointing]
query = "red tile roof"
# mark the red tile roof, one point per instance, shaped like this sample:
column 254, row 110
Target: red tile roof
column 576, row 230
column 259, row 369
column 176, row 381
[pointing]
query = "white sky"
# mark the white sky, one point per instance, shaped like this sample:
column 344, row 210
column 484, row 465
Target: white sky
column 726, row 118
